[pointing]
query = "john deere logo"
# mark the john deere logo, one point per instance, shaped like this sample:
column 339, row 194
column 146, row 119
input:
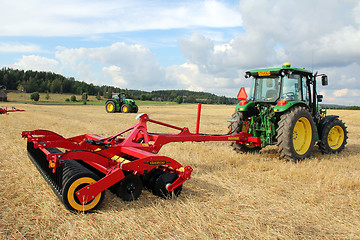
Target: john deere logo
column 156, row 162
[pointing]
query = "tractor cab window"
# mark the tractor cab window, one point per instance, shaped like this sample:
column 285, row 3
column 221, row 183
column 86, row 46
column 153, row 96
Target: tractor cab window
column 305, row 90
column 122, row 96
column 291, row 87
column 266, row 89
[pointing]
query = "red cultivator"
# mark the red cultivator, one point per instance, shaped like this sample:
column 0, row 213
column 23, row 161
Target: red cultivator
column 80, row 168
column 6, row 110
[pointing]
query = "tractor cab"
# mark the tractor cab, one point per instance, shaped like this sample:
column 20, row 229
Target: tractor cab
column 282, row 88
column 119, row 96
column 270, row 86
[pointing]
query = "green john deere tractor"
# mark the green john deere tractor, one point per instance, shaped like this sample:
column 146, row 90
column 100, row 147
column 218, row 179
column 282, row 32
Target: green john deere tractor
column 282, row 109
column 119, row 103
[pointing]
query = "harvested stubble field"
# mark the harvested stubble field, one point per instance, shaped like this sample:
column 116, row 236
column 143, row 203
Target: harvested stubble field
column 230, row 195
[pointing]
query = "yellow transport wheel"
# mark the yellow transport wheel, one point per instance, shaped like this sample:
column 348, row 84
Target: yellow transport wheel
column 75, row 177
column 110, row 107
column 333, row 137
column 296, row 134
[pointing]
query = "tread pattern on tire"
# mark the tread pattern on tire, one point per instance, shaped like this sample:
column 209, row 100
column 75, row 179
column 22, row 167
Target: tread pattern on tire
column 323, row 144
column 285, row 133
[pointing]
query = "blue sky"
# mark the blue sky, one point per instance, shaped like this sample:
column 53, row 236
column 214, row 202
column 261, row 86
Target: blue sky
column 197, row 45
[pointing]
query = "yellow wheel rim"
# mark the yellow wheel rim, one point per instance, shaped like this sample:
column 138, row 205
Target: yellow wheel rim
column 336, row 137
column 110, row 107
column 74, row 203
column 302, row 135
column 125, row 109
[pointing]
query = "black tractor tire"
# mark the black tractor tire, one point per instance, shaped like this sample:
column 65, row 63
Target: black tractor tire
column 238, row 127
column 75, row 177
column 110, row 107
column 333, row 137
column 296, row 134
column 125, row 108
column 135, row 109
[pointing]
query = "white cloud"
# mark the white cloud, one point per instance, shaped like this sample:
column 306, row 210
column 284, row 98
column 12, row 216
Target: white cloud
column 72, row 18
column 120, row 64
column 38, row 63
column 11, row 47
column 114, row 72
column 341, row 92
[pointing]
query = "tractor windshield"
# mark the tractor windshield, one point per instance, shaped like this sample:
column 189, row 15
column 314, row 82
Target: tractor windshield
column 271, row 89
column 266, row 89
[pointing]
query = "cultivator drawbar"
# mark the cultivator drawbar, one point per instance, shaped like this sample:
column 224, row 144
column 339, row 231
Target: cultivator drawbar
column 79, row 169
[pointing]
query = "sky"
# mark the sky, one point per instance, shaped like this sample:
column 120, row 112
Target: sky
column 199, row 45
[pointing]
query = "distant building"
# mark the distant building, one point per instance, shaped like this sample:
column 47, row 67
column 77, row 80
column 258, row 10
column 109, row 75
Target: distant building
column 3, row 97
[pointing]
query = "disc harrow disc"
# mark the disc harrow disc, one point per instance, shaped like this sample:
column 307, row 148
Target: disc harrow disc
column 160, row 186
column 129, row 188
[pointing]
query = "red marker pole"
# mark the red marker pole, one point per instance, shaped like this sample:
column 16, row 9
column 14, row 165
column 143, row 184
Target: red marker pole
column 198, row 119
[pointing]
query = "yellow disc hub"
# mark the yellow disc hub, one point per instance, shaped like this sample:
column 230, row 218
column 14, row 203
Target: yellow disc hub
column 302, row 136
column 125, row 109
column 73, row 200
column 336, row 137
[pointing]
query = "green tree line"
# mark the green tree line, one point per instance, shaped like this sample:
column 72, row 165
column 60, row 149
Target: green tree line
column 48, row 82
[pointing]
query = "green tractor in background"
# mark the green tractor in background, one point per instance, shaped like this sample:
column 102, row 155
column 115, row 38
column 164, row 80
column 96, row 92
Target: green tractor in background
column 282, row 109
column 119, row 103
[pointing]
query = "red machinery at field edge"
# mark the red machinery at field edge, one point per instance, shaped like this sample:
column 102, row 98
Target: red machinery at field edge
column 6, row 110
column 80, row 168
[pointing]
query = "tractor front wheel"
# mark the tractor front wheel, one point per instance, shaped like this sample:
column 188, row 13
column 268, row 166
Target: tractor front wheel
column 125, row 108
column 241, row 124
column 135, row 109
column 333, row 137
column 296, row 134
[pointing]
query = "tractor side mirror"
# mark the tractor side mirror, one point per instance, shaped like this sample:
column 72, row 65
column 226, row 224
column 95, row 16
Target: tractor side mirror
column 320, row 98
column 324, row 80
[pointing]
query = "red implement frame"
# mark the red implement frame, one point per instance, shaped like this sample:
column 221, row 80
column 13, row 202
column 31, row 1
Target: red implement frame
column 136, row 153
column 13, row 109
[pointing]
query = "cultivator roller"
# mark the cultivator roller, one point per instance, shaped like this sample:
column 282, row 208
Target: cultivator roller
column 79, row 169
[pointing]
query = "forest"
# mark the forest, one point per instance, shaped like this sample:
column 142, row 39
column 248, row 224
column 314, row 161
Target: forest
column 38, row 81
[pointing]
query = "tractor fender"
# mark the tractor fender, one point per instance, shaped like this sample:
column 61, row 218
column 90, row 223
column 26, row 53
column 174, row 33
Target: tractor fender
column 325, row 121
column 110, row 100
column 289, row 106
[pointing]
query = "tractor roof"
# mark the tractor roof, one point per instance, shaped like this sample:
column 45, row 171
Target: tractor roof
column 276, row 71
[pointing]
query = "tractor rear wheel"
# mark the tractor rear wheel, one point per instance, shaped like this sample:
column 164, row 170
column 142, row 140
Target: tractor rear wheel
column 333, row 137
column 125, row 108
column 296, row 134
column 110, row 107
column 240, row 126
column 75, row 177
